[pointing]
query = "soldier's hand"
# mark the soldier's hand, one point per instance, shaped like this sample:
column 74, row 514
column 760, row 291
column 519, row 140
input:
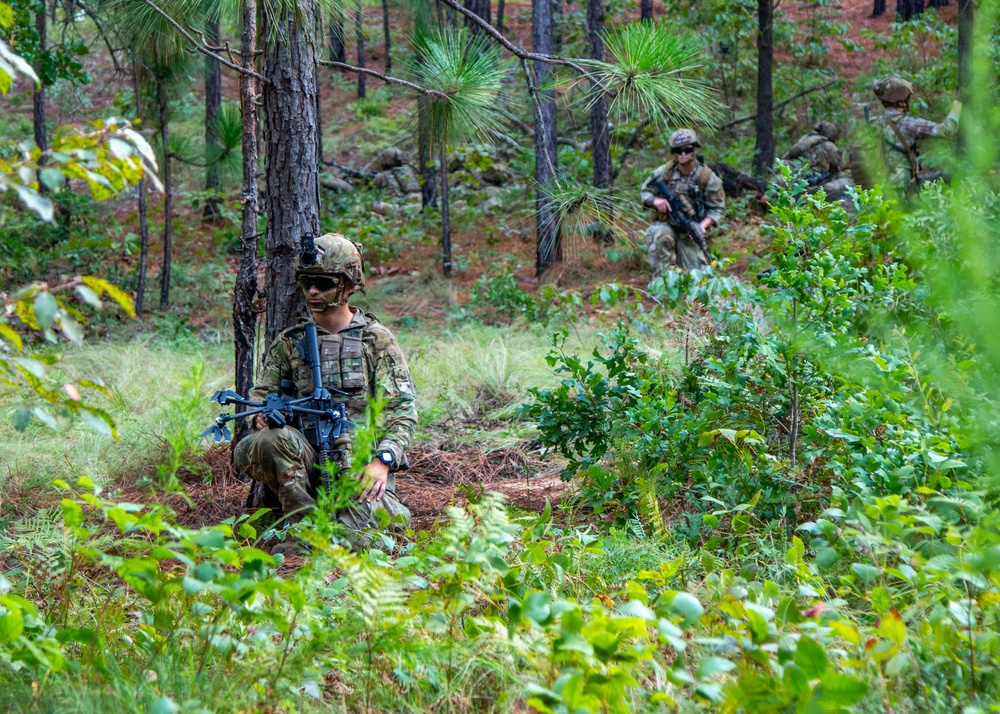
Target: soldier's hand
column 662, row 205
column 705, row 224
column 376, row 478
column 259, row 422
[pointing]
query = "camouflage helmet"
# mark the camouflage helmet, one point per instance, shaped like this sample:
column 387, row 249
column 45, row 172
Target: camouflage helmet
column 684, row 137
column 828, row 129
column 333, row 255
column 892, row 90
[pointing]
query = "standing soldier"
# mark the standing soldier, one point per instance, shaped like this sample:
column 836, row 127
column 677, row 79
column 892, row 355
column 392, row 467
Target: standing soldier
column 825, row 161
column 358, row 356
column 699, row 194
column 900, row 133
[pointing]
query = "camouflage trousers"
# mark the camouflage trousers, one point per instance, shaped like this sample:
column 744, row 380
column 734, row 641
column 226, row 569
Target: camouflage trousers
column 286, row 463
column 666, row 246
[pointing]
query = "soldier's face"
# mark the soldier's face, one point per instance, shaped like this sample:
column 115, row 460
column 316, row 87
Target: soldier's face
column 684, row 154
column 324, row 293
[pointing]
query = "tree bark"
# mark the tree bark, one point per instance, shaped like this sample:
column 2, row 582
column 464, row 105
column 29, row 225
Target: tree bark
column 140, row 291
column 388, row 39
column 878, row 8
column 600, row 139
column 908, row 9
column 482, row 9
column 291, row 141
column 646, row 10
column 428, row 174
column 937, row 3
column 966, row 27
column 213, row 107
column 338, row 50
column 500, row 4
column 38, row 99
column 548, row 245
column 245, row 290
column 359, row 36
column 445, row 211
column 763, row 158
column 168, row 194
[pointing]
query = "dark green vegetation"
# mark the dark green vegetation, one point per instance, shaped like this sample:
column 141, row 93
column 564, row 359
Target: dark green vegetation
column 783, row 486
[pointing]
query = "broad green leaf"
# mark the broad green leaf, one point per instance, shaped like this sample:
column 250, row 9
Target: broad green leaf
column 88, row 295
column 866, row 572
column 35, row 201
column 31, row 366
column 21, row 418
column 19, row 63
column 711, row 666
column 51, row 177
column 810, row 657
column 758, row 626
column 842, row 690
column 687, row 605
column 72, row 513
column 164, row 705
column 11, row 622
column 99, row 420
column 46, row 308
column 6, row 16
column 11, row 336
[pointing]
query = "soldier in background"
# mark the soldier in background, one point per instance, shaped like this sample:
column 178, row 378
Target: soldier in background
column 358, row 356
column 700, row 192
column 826, row 162
column 900, row 134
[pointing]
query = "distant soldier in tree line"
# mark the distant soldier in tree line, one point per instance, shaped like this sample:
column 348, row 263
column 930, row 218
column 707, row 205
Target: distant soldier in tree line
column 359, row 356
column 900, row 134
column 826, row 163
column 701, row 197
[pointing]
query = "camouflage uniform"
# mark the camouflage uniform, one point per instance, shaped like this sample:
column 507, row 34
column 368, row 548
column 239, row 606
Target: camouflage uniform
column 817, row 150
column 701, row 190
column 900, row 133
column 362, row 360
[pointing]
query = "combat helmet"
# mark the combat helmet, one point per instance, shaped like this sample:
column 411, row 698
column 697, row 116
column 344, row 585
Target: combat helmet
column 892, row 90
column 828, row 129
column 332, row 255
column 684, row 137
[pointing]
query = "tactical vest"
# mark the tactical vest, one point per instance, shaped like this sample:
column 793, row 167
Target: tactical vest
column 694, row 205
column 342, row 359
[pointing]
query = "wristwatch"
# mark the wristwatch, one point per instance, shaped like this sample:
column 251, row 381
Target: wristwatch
column 387, row 458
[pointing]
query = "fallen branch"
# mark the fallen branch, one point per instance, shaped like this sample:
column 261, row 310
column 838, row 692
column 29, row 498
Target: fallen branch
column 779, row 105
column 353, row 173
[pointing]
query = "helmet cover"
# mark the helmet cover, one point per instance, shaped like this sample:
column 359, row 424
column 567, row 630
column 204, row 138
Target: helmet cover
column 828, row 129
column 892, row 90
column 684, row 137
column 332, row 256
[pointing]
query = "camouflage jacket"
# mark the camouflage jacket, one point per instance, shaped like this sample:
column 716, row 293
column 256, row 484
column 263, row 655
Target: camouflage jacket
column 701, row 190
column 821, row 154
column 899, row 157
column 363, row 360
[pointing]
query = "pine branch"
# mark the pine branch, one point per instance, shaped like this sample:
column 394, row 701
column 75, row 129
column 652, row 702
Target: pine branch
column 779, row 105
column 385, row 78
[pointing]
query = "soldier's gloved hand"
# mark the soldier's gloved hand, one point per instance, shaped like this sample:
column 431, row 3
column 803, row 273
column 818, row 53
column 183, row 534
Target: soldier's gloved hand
column 662, row 205
column 376, row 478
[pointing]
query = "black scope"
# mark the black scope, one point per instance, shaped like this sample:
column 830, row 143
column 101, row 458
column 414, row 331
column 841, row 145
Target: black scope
column 308, row 256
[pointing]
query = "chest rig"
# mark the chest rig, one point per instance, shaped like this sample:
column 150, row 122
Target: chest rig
column 343, row 365
column 690, row 189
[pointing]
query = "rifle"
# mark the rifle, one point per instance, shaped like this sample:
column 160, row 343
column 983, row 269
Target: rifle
column 818, row 178
column 323, row 423
column 679, row 214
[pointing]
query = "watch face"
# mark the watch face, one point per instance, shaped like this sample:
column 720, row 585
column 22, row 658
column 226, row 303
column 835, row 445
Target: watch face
column 386, row 458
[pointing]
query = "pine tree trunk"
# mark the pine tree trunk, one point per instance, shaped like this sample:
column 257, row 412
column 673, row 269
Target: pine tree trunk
column 140, row 291
column 482, row 9
column 338, row 50
column 879, row 8
column 966, row 27
column 428, row 174
column 359, row 36
column 388, row 39
column 500, row 4
column 38, row 98
column 548, row 244
column 646, row 10
column 763, row 158
column 291, row 141
column 445, row 212
column 213, row 107
column 937, row 3
column 557, row 22
column 245, row 291
column 168, row 195
column 908, row 9
column 600, row 138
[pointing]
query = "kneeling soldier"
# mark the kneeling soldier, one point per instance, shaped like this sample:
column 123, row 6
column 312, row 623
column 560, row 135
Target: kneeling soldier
column 701, row 196
column 358, row 356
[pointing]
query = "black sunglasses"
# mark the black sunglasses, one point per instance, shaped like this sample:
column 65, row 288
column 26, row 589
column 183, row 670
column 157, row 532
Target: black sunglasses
column 683, row 150
column 307, row 282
